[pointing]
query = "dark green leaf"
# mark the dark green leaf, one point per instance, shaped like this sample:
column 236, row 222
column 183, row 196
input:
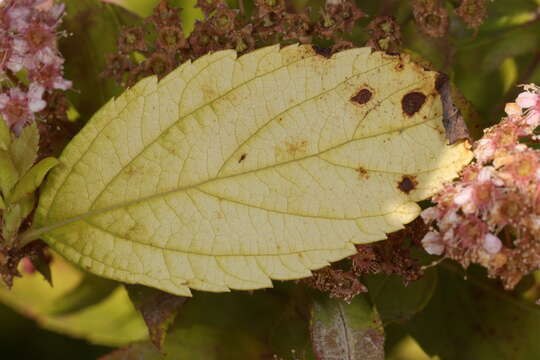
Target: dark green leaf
column 93, row 29
column 397, row 302
column 476, row 319
column 232, row 327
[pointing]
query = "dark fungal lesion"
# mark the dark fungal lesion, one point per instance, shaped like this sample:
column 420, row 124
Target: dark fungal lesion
column 362, row 97
column 407, row 183
column 412, row 102
column 322, row 51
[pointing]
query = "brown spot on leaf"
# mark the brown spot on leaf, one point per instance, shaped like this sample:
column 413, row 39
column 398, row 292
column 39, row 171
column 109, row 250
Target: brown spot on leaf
column 362, row 97
column 407, row 183
column 242, row 158
column 322, row 51
column 362, row 173
column 412, row 102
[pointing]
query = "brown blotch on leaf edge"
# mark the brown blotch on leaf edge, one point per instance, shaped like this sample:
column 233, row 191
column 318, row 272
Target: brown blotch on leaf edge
column 362, row 97
column 407, row 183
column 323, row 51
column 242, row 158
column 412, row 102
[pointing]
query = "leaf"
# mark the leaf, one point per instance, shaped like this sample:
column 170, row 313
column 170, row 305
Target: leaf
column 94, row 28
column 8, row 173
column 11, row 221
column 189, row 13
column 231, row 172
column 32, row 179
column 396, row 302
column 342, row 331
column 157, row 308
column 453, row 121
column 5, row 135
column 24, row 149
column 91, row 290
column 476, row 319
column 232, row 327
column 112, row 322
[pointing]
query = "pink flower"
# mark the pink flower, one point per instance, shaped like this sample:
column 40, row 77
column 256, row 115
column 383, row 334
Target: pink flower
column 18, row 107
column 492, row 244
column 28, row 43
column 433, row 244
column 529, row 100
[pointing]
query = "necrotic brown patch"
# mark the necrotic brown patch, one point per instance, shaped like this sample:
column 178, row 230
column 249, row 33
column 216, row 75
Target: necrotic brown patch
column 412, row 102
column 325, row 52
column 362, row 97
column 407, row 183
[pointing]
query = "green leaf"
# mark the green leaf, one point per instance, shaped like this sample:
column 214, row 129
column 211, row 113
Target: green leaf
column 24, row 149
column 11, row 221
column 476, row 319
column 91, row 290
column 2, row 203
column 32, row 179
column 8, row 173
column 5, row 135
column 397, row 302
column 113, row 321
column 93, row 29
column 189, row 13
column 13, row 217
column 514, row 43
column 232, row 327
column 210, row 180
column 346, row 331
column 157, row 308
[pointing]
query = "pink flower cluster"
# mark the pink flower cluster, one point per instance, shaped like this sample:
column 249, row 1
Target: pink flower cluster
column 30, row 62
column 491, row 214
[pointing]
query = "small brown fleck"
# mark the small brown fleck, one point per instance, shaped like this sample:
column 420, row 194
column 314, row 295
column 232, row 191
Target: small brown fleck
column 412, row 102
column 407, row 183
column 399, row 67
column 362, row 97
column 242, row 158
column 362, row 173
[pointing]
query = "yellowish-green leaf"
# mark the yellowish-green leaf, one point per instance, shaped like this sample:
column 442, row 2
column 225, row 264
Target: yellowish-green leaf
column 2, row 203
column 32, row 179
column 231, row 172
column 15, row 215
column 5, row 136
column 113, row 321
column 24, row 149
column 8, row 173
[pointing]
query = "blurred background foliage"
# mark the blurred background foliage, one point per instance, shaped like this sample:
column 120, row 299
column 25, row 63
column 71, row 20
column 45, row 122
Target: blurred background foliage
column 448, row 316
